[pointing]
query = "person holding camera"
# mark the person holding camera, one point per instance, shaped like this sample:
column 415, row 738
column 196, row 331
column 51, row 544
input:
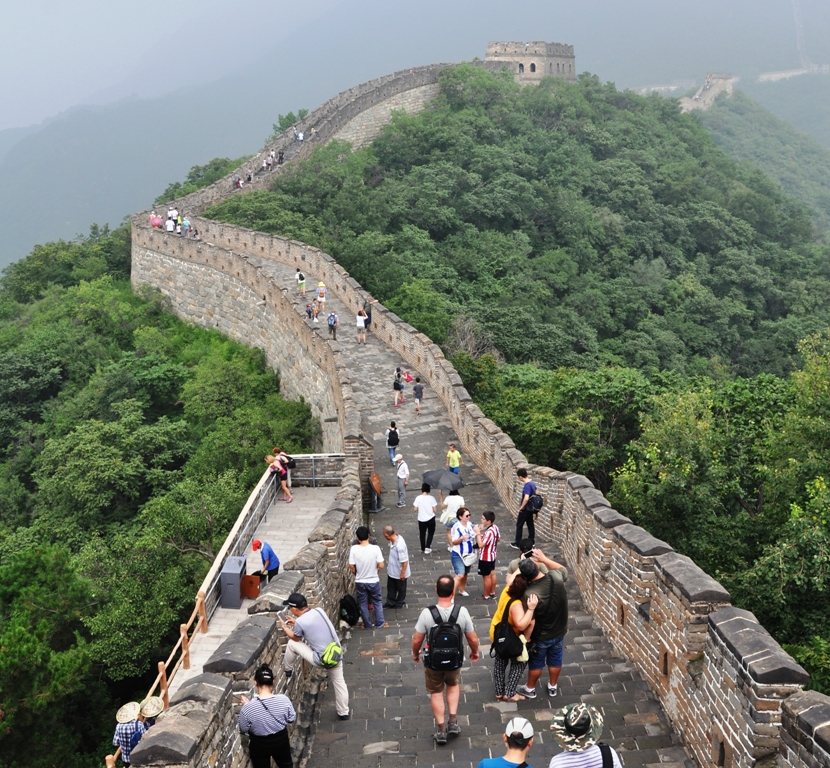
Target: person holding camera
column 265, row 719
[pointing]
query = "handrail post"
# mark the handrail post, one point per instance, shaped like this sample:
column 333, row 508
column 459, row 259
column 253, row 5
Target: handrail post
column 203, row 619
column 165, row 695
column 185, row 647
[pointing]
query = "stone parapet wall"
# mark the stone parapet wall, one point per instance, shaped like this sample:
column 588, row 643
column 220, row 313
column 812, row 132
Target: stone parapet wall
column 200, row 727
column 805, row 731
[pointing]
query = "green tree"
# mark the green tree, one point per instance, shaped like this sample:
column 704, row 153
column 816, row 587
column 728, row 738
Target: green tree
column 200, row 176
column 284, row 122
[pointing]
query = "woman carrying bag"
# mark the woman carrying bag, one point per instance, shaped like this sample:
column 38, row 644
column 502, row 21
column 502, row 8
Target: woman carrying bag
column 511, row 617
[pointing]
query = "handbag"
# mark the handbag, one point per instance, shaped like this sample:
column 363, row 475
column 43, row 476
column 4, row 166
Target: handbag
column 470, row 559
column 506, row 643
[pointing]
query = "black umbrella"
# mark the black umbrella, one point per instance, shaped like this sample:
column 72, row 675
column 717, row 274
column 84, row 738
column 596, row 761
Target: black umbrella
column 443, row 479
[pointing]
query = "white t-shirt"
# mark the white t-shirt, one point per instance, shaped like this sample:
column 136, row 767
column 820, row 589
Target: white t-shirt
column 170, row 225
column 425, row 504
column 451, row 509
column 587, row 758
column 366, row 560
column 361, row 321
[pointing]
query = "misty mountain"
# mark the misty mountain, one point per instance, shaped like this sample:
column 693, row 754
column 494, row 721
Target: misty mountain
column 98, row 164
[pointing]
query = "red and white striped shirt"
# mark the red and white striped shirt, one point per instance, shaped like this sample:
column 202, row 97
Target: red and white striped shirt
column 489, row 544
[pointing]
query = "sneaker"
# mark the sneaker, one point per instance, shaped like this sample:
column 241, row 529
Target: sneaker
column 553, row 690
column 427, row 551
column 345, row 717
column 488, row 597
column 289, row 673
column 400, row 506
column 464, row 594
column 453, row 729
column 528, row 693
column 440, row 737
column 514, row 545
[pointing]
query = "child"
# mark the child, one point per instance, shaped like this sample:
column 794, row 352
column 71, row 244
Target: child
column 454, row 460
column 309, row 311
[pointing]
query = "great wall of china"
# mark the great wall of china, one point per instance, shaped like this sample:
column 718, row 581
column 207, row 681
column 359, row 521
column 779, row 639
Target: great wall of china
column 730, row 691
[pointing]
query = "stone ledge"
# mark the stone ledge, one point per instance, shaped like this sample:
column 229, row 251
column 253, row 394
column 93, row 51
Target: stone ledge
column 695, row 584
column 641, row 541
column 173, row 740
column 207, row 687
column 755, row 649
column 243, row 646
column 580, row 481
column 592, row 498
column 280, row 587
column 809, row 712
column 330, row 522
column 609, row 518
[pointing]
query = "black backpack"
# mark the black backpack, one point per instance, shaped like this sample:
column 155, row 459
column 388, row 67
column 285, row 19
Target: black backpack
column 444, row 651
column 506, row 642
column 301, row 276
column 289, row 463
column 349, row 610
column 535, row 502
column 393, row 437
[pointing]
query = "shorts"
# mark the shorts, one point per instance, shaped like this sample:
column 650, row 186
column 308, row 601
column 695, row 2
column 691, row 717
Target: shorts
column 547, row 653
column 451, row 523
column 454, row 470
column 458, row 567
column 436, row 680
column 486, row 567
column 417, row 400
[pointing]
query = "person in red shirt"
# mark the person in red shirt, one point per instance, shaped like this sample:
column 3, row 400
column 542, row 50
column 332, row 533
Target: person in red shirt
column 487, row 538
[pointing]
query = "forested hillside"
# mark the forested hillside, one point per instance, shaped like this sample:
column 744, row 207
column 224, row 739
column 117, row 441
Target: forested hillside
column 621, row 297
column 129, row 442
column 747, row 131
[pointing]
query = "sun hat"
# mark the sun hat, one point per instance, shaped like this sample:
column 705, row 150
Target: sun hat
column 256, row 544
column 398, row 457
column 128, row 712
column 519, row 729
column 295, row 600
column 577, row 726
column 152, row 706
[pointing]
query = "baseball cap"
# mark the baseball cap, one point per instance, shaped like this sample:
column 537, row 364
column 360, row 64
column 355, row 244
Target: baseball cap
column 519, row 730
column 398, row 457
column 295, row 600
column 256, row 544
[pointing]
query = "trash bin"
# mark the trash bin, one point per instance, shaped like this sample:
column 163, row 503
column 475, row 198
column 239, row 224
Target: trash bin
column 230, row 581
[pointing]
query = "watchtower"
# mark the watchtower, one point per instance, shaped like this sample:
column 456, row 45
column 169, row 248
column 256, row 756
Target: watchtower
column 531, row 62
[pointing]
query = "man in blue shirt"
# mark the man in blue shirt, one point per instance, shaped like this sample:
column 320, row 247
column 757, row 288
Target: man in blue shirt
column 518, row 736
column 130, row 721
column 270, row 561
column 525, row 512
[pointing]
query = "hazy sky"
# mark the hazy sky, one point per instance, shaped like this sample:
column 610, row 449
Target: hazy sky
column 56, row 54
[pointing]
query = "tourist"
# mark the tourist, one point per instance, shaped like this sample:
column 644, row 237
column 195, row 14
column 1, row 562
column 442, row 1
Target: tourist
column 526, row 514
column 450, row 505
column 393, row 440
column 425, row 506
column 487, row 539
column 281, row 471
column 316, row 628
column 418, row 393
column 398, row 385
column 437, row 681
column 334, row 323
column 265, row 719
column 454, row 460
column 463, row 553
column 361, row 326
column 403, row 480
column 577, row 728
column 518, row 737
column 365, row 560
column 130, row 722
column 398, row 570
column 521, row 619
column 270, row 561
column 300, row 278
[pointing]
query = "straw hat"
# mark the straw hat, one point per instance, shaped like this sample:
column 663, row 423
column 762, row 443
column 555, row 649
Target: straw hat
column 128, row 712
column 577, row 726
column 321, row 285
column 152, row 706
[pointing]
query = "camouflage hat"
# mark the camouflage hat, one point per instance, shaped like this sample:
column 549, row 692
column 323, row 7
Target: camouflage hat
column 577, row 726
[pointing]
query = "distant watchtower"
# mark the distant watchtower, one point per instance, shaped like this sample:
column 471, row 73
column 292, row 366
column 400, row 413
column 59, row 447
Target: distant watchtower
column 531, row 62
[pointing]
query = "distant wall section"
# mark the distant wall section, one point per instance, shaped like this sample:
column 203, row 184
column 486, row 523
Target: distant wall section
column 530, row 62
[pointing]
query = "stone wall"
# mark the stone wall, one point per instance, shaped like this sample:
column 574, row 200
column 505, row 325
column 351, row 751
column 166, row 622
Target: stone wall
column 200, row 728
column 720, row 676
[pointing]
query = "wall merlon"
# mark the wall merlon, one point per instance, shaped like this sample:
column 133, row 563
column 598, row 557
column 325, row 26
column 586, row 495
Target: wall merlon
column 640, row 541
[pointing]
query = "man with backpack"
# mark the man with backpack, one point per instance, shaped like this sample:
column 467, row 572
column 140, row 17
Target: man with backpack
column 334, row 324
column 529, row 507
column 444, row 626
column 322, row 649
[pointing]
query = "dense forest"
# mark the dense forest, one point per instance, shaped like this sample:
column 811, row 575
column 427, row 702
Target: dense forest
column 129, row 441
column 747, row 131
column 621, row 297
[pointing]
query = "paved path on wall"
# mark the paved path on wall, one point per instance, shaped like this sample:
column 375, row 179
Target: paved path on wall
column 286, row 528
column 391, row 721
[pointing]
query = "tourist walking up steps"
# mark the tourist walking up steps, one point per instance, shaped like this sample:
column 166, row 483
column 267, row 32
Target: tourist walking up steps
column 365, row 560
column 403, row 480
column 445, row 657
column 315, row 627
column 425, row 506
column 265, row 719
column 398, row 570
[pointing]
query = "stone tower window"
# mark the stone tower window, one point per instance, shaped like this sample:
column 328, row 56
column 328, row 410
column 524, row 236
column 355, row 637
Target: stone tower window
column 532, row 67
column 521, row 69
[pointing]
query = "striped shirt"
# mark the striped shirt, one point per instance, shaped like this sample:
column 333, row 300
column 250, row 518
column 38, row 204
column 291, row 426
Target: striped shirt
column 266, row 716
column 587, row 758
column 459, row 530
column 489, row 544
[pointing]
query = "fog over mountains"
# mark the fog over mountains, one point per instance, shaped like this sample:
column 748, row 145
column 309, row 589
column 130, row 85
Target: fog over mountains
column 138, row 105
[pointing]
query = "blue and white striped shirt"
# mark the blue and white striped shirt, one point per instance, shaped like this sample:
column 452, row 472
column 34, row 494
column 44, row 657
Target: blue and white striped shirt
column 266, row 716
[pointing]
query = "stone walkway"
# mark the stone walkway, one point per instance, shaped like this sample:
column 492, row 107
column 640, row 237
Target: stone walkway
column 391, row 721
column 286, row 528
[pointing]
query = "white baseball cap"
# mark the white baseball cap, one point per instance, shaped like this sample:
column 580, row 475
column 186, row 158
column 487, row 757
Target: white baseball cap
column 520, row 726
